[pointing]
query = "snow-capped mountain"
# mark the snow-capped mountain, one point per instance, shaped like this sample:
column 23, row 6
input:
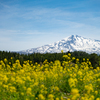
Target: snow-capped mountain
column 71, row 43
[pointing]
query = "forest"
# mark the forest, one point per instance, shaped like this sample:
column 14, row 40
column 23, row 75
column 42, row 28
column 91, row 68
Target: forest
column 40, row 58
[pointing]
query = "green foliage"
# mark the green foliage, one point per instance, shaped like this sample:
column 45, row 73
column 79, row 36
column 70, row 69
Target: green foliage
column 40, row 58
column 64, row 87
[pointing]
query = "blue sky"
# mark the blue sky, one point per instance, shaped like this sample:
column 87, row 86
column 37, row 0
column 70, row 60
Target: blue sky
column 26, row 24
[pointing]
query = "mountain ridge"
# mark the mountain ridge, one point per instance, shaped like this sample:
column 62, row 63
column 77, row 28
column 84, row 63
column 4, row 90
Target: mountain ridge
column 71, row 43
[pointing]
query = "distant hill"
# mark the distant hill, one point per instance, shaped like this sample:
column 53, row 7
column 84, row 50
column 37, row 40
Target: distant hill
column 71, row 43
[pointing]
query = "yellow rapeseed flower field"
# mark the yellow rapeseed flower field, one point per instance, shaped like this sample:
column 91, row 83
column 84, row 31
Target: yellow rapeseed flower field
column 49, row 81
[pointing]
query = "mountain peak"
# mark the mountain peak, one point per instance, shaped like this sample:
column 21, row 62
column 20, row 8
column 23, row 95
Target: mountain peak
column 71, row 43
column 71, row 37
column 75, row 36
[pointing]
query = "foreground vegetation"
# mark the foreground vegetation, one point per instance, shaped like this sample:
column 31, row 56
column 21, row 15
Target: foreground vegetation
column 50, row 81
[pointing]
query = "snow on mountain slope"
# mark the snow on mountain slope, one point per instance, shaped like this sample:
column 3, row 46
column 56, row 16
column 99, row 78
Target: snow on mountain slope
column 71, row 43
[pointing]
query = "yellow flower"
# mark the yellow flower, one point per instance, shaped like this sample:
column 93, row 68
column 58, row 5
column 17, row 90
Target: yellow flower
column 36, row 98
column 65, row 56
column 77, row 60
column 5, row 86
column 11, row 58
column 12, row 79
column 83, row 59
column 12, row 89
column 69, row 54
column 73, row 58
column 41, row 97
column 97, row 98
column 57, row 98
column 87, row 59
column 82, row 98
column 96, row 92
column 79, row 73
column 9, row 62
column 29, row 90
column 89, row 88
column 71, row 82
column 0, row 83
column 56, row 88
column 30, row 61
column 50, row 96
column 5, row 78
column 28, row 78
column 89, row 63
column 62, row 98
column 42, row 86
column 68, row 99
column 92, row 97
column 5, row 60
column 22, row 93
column 61, row 51
column 75, row 93
column 97, row 68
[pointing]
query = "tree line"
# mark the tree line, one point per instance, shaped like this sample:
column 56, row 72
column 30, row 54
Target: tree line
column 40, row 58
